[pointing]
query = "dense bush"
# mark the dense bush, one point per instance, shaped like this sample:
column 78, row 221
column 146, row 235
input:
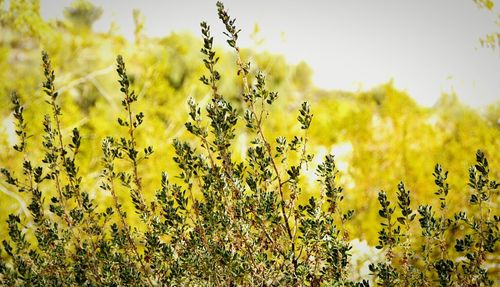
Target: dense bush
column 225, row 222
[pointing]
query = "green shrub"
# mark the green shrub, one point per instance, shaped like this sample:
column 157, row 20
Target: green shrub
column 225, row 223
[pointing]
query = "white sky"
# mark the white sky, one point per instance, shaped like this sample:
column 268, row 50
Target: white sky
column 425, row 46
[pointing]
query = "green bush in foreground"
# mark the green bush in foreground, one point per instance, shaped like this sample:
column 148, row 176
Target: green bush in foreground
column 225, row 223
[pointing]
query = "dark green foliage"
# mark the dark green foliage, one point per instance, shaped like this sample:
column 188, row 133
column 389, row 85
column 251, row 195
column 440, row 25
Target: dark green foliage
column 223, row 222
column 479, row 240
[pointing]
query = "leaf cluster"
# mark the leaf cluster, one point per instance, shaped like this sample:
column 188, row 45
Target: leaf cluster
column 225, row 221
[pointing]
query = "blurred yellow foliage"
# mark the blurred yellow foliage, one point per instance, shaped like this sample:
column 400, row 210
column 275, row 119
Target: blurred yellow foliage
column 382, row 135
